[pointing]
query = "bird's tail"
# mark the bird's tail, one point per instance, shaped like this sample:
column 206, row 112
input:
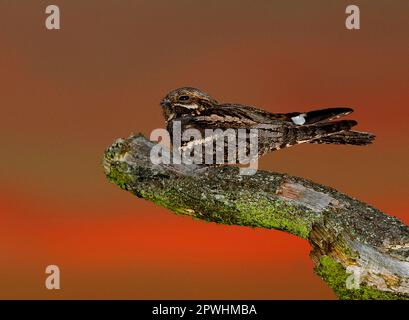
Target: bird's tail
column 347, row 137
column 320, row 131
column 316, row 127
column 317, row 116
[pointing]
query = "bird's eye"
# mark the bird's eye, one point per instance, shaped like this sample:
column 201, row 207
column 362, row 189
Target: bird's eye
column 184, row 98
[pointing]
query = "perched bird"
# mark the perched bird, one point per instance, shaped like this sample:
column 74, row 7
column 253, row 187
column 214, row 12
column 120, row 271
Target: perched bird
column 195, row 109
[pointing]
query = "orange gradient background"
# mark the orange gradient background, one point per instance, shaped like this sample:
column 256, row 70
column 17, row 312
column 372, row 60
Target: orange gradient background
column 66, row 95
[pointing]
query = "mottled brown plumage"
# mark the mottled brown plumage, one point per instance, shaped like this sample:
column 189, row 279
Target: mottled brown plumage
column 196, row 109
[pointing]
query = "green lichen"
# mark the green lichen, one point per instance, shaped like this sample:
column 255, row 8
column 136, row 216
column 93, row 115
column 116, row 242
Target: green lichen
column 241, row 210
column 275, row 214
column 222, row 196
column 335, row 276
column 173, row 199
column 116, row 175
column 167, row 201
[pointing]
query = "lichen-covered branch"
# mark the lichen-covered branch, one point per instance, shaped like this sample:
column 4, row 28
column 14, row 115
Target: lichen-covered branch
column 353, row 244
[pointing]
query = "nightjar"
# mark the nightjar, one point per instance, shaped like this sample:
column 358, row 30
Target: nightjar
column 194, row 109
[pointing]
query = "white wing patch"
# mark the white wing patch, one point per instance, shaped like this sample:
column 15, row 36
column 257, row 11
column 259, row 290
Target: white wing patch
column 299, row 120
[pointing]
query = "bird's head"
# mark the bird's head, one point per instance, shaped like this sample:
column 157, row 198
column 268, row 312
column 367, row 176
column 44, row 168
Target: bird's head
column 185, row 101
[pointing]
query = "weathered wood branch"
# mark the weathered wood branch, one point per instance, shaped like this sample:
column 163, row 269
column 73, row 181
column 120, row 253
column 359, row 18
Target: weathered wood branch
column 352, row 242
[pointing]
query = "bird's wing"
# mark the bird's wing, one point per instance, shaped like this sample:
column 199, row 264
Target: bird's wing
column 223, row 116
column 251, row 114
column 236, row 116
column 298, row 118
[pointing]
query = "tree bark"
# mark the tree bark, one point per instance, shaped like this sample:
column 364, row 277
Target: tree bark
column 359, row 251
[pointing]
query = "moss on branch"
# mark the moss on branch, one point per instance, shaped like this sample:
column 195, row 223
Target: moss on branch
column 342, row 231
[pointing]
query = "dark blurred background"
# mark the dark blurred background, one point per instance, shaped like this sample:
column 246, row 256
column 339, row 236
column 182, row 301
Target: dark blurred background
column 66, row 95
